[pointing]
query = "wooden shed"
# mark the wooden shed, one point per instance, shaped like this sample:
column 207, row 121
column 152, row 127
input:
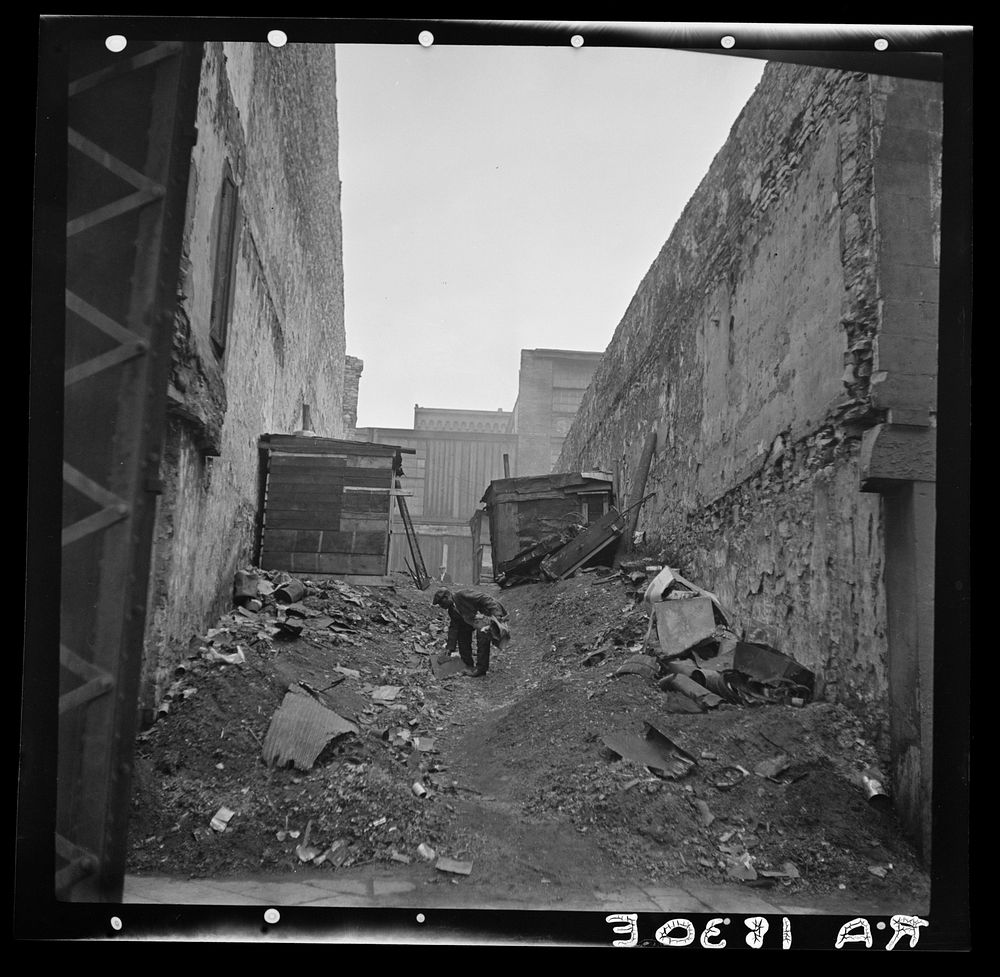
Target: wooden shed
column 326, row 505
column 532, row 515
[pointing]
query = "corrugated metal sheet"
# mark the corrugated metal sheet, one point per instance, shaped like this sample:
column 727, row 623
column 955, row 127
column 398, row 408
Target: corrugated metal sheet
column 300, row 729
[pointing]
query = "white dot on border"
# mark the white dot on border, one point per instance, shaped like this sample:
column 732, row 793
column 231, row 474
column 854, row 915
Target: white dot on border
column 271, row 915
column 576, row 40
column 115, row 42
column 881, row 44
column 420, row 917
column 426, row 38
column 116, row 923
column 728, row 41
column 277, row 38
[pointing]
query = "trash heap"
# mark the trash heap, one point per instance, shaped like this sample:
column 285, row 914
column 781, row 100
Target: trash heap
column 690, row 648
column 315, row 741
column 314, row 729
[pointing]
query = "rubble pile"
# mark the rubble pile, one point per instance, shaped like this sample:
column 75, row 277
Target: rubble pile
column 313, row 729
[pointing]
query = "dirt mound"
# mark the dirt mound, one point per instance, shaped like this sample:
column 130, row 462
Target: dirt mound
column 514, row 771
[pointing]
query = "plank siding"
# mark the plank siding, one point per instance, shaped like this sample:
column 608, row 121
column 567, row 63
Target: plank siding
column 327, row 505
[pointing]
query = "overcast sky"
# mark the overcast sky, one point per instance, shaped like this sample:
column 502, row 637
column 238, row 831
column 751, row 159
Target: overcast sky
column 506, row 198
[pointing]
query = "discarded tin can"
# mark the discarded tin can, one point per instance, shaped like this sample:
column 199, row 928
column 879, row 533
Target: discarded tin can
column 290, row 592
column 244, row 585
column 419, row 789
column 728, row 777
column 876, row 796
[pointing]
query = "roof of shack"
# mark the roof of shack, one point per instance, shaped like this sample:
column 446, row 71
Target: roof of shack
column 558, row 483
column 309, row 444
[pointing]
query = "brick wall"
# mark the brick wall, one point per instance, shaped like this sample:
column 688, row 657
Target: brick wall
column 270, row 114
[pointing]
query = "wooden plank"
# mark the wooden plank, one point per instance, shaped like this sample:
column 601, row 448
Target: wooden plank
column 303, row 445
column 372, row 542
column 596, row 537
column 275, row 559
column 351, row 563
column 281, row 539
column 278, row 459
column 369, row 541
column 281, row 460
column 350, row 474
column 360, row 522
column 304, row 562
column 356, row 502
column 298, row 504
column 327, row 519
column 360, row 478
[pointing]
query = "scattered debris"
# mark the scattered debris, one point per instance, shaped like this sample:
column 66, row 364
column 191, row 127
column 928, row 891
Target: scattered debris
column 742, row 868
column 426, row 852
column 765, row 665
column 656, row 752
column 453, row 865
column 771, row 768
column 445, row 669
column 704, row 812
column 386, row 693
column 233, row 658
column 222, row 818
column 682, row 624
column 290, row 592
column 304, row 851
column 692, row 689
column 644, row 665
column 726, row 778
column 786, row 871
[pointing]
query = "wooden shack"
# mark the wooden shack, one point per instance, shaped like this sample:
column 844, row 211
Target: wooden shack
column 531, row 516
column 326, row 505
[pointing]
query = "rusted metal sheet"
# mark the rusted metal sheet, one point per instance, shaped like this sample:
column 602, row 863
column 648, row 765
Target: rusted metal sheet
column 656, row 751
column 765, row 665
column 300, row 729
column 682, row 623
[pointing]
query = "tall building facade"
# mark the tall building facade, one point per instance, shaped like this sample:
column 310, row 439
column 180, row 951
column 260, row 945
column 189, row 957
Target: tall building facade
column 550, row 387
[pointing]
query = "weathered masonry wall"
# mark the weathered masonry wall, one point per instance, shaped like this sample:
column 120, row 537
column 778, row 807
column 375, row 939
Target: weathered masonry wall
column 783, row 349
column 269, row 115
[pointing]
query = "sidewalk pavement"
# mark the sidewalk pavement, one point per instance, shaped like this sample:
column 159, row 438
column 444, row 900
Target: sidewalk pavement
column 365, row 891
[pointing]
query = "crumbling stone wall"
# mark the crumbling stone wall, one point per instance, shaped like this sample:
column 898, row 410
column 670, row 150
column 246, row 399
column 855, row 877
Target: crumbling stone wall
column 353, row 368
column 749, row 349
column 271, row 115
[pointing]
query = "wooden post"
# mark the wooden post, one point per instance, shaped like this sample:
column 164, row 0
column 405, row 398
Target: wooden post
column 641, row 474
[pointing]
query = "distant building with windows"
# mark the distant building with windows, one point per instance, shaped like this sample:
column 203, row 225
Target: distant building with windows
column 550, row 386
column 459, row 452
